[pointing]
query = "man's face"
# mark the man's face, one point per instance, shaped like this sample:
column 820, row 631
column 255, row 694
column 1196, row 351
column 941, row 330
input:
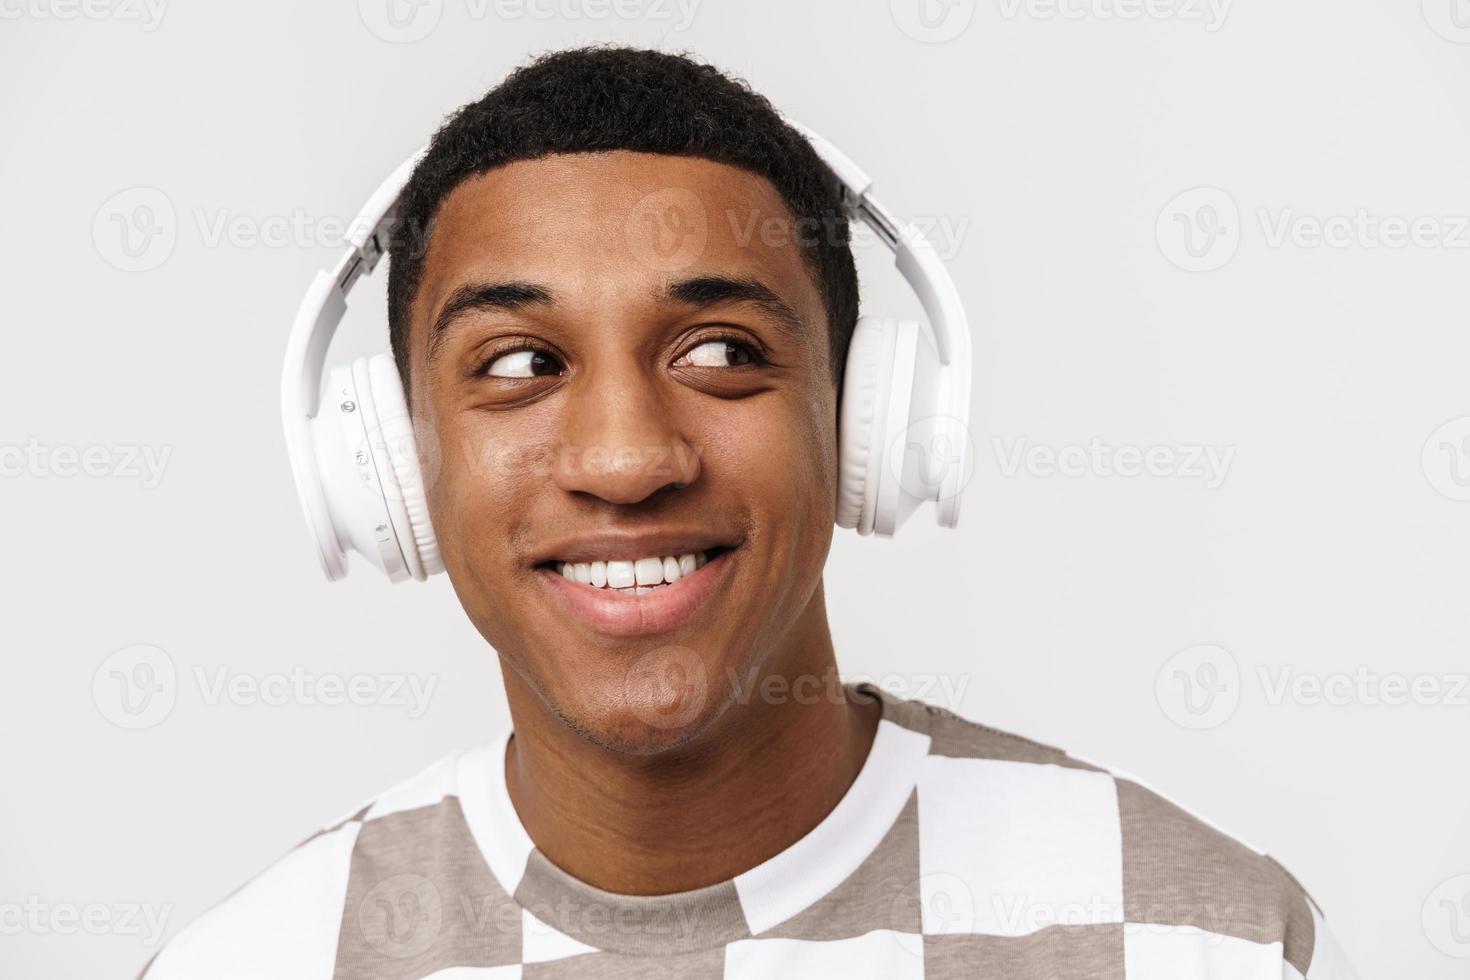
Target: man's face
column 623, row 356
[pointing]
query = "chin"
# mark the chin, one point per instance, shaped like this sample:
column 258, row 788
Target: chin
column 658, row 701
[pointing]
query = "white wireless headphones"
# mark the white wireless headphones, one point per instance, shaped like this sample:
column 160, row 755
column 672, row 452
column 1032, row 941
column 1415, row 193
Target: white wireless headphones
column 903, row 426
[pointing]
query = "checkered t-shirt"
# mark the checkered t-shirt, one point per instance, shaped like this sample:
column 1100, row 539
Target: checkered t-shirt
column 958, row 852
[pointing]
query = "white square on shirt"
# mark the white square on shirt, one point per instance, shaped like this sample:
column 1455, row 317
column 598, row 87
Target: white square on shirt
column 1009, row 848
column 878, row 955
column 1159, row 952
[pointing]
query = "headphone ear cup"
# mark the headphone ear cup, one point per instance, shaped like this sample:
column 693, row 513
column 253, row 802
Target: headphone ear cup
column 883, row 362
column 398, row 459
column 866, row 379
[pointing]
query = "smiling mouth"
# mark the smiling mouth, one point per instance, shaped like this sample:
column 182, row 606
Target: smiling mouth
column 639, row 576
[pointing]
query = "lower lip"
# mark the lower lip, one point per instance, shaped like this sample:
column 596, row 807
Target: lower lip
column 663, row 610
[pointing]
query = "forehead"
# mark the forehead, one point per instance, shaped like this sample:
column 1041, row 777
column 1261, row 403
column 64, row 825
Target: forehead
column 614, row 227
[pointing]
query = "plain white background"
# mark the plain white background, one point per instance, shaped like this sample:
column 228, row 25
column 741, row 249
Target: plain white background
column 1235, row 231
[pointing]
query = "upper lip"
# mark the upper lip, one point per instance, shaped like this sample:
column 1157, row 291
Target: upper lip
column 614, row 545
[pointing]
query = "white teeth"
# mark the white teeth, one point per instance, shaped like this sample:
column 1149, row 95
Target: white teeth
column 648, row 571
column 633, row 577
column 619, row 574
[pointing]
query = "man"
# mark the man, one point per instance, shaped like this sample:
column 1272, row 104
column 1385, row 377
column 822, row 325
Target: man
column 632, row 385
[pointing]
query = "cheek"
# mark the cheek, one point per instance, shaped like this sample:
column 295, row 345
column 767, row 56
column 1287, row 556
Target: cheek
column 483, row 471
column 810, row 439
column 776, row 457
column 479, row 509
column 821, row 438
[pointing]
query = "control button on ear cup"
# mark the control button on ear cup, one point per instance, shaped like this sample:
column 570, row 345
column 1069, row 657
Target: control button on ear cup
column 388, row 530
column 399, row 445
column 865, row 382
column 351, row 473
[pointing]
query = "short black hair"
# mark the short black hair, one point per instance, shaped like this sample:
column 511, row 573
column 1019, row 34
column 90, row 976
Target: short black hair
column 606, row 97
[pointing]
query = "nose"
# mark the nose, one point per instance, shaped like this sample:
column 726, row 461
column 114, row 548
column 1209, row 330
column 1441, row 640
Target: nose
column 620, row 439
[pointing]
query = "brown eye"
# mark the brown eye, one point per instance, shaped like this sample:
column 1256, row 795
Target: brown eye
column 524, row 363
column 718, row 354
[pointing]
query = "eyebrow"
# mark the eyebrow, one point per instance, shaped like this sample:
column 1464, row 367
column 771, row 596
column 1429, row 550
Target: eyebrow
column 481, row 296
column 696, row 291
column 714, row 289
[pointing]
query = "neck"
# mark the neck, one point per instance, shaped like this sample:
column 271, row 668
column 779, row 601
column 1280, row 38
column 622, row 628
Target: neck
column 701, row 813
